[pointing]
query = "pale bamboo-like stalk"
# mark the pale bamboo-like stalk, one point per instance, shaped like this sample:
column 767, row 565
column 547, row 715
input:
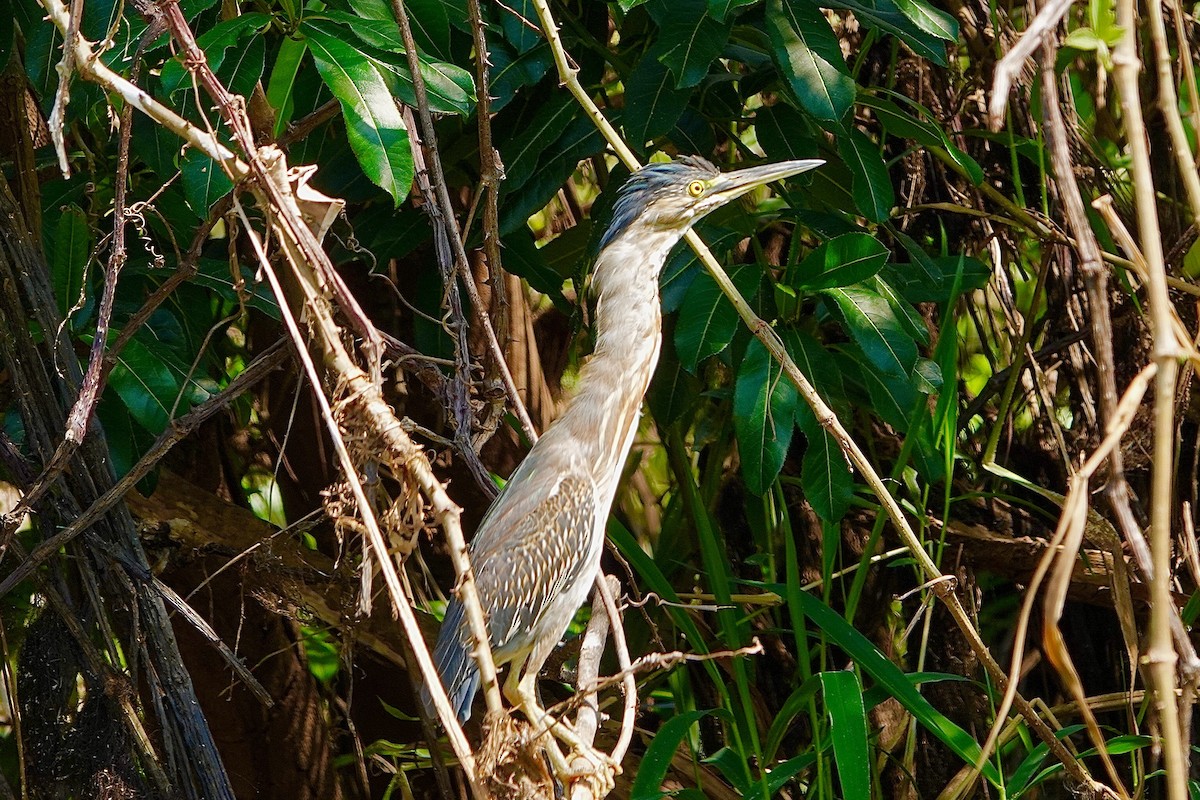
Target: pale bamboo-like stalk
column 1160, row 653
column 1168, row 106
column 763, row 331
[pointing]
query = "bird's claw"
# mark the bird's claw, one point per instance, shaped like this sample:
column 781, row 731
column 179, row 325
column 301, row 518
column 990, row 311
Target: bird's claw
column 597, row 768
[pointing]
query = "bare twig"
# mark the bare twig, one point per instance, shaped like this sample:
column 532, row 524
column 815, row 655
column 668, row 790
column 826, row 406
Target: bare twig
column 258, row 369
column 1010, row 66
column 446, row 208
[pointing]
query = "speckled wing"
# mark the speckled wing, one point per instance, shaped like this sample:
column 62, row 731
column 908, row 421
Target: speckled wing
column 532, row 544
column 527, row 552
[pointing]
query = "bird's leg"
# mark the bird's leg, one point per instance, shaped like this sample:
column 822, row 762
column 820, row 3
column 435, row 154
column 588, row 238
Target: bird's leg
column 600, row 768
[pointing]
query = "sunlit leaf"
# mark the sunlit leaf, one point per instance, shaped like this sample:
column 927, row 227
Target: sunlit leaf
column 374, row 125
column 841, row 261
column 810, row 59
column 872, row 323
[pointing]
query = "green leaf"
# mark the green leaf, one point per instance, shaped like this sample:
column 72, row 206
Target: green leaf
column 512, row 70
column 146, row 385
column 68, row 253
column 673, row 391
column 689, row 39
column 848, row 729
column 885, row 16
column 374, row 126
column 215, row 42
column 780, row 774
column 912, row 322
column 519, row 21
column 533, row 136
column 652, row 103
column 816, row 363
column 720, row 9
column 929, row 19
column 893, row 396
column 764, row 408
column 653, row 769
column 810, row 59
column 214, row 274
column 282, row 83
column 841, row 261
column 707, row 320
column 430, row 20
column 872, row 186
column 449, row 89
column 872, row 323
column 824, row 475
column 875, row 664
column 204, row 182
column 781, row 130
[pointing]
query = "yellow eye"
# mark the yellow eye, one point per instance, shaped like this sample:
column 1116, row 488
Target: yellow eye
column 696, row 188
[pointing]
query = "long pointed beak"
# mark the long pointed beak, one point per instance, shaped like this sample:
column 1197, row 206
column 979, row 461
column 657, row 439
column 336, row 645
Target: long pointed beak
column 731, row 185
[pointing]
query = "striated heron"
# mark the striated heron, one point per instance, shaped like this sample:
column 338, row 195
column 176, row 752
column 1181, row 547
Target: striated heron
column 537, row 553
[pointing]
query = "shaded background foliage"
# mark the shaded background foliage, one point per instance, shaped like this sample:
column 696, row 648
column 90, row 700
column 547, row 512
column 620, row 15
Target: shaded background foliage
column 906, row 278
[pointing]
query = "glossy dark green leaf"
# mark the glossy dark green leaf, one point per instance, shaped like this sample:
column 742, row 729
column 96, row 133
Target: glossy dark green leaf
column 929, row 19
column 430, row 21
column 146, row 385
column 127, row 440
column 721, row 9
column 534, row 136
column 68, row 252
column 449, row 89
column 374, row 126
column 512, row 70
column 872, row 186
column 872, row 323
column 810, row 59
column 816, row 363
column 871, row 661
column 923, row 268
column 707, row 321
column 689, row 40
column 216, row 43
column 764, row 408
column 848, row 729
column 216, row 275
column 842, row 261
column 204, row 182
column 824, row 474
column 781, row 131
column 519, row 21
column 885, row 16
column 666, row 742
column 243, row 68
column 652, row 103
column 673, row 390
column 892, row 396
column 898, row 122
column 683, row 265
column 912, row 322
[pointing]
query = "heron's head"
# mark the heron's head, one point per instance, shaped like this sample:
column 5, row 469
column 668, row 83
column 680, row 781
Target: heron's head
column 670, row 197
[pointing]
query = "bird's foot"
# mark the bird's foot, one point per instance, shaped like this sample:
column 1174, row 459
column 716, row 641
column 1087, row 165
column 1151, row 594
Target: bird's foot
column 595, row 767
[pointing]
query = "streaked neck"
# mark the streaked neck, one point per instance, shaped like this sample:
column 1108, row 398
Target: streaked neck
column 602, row 417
